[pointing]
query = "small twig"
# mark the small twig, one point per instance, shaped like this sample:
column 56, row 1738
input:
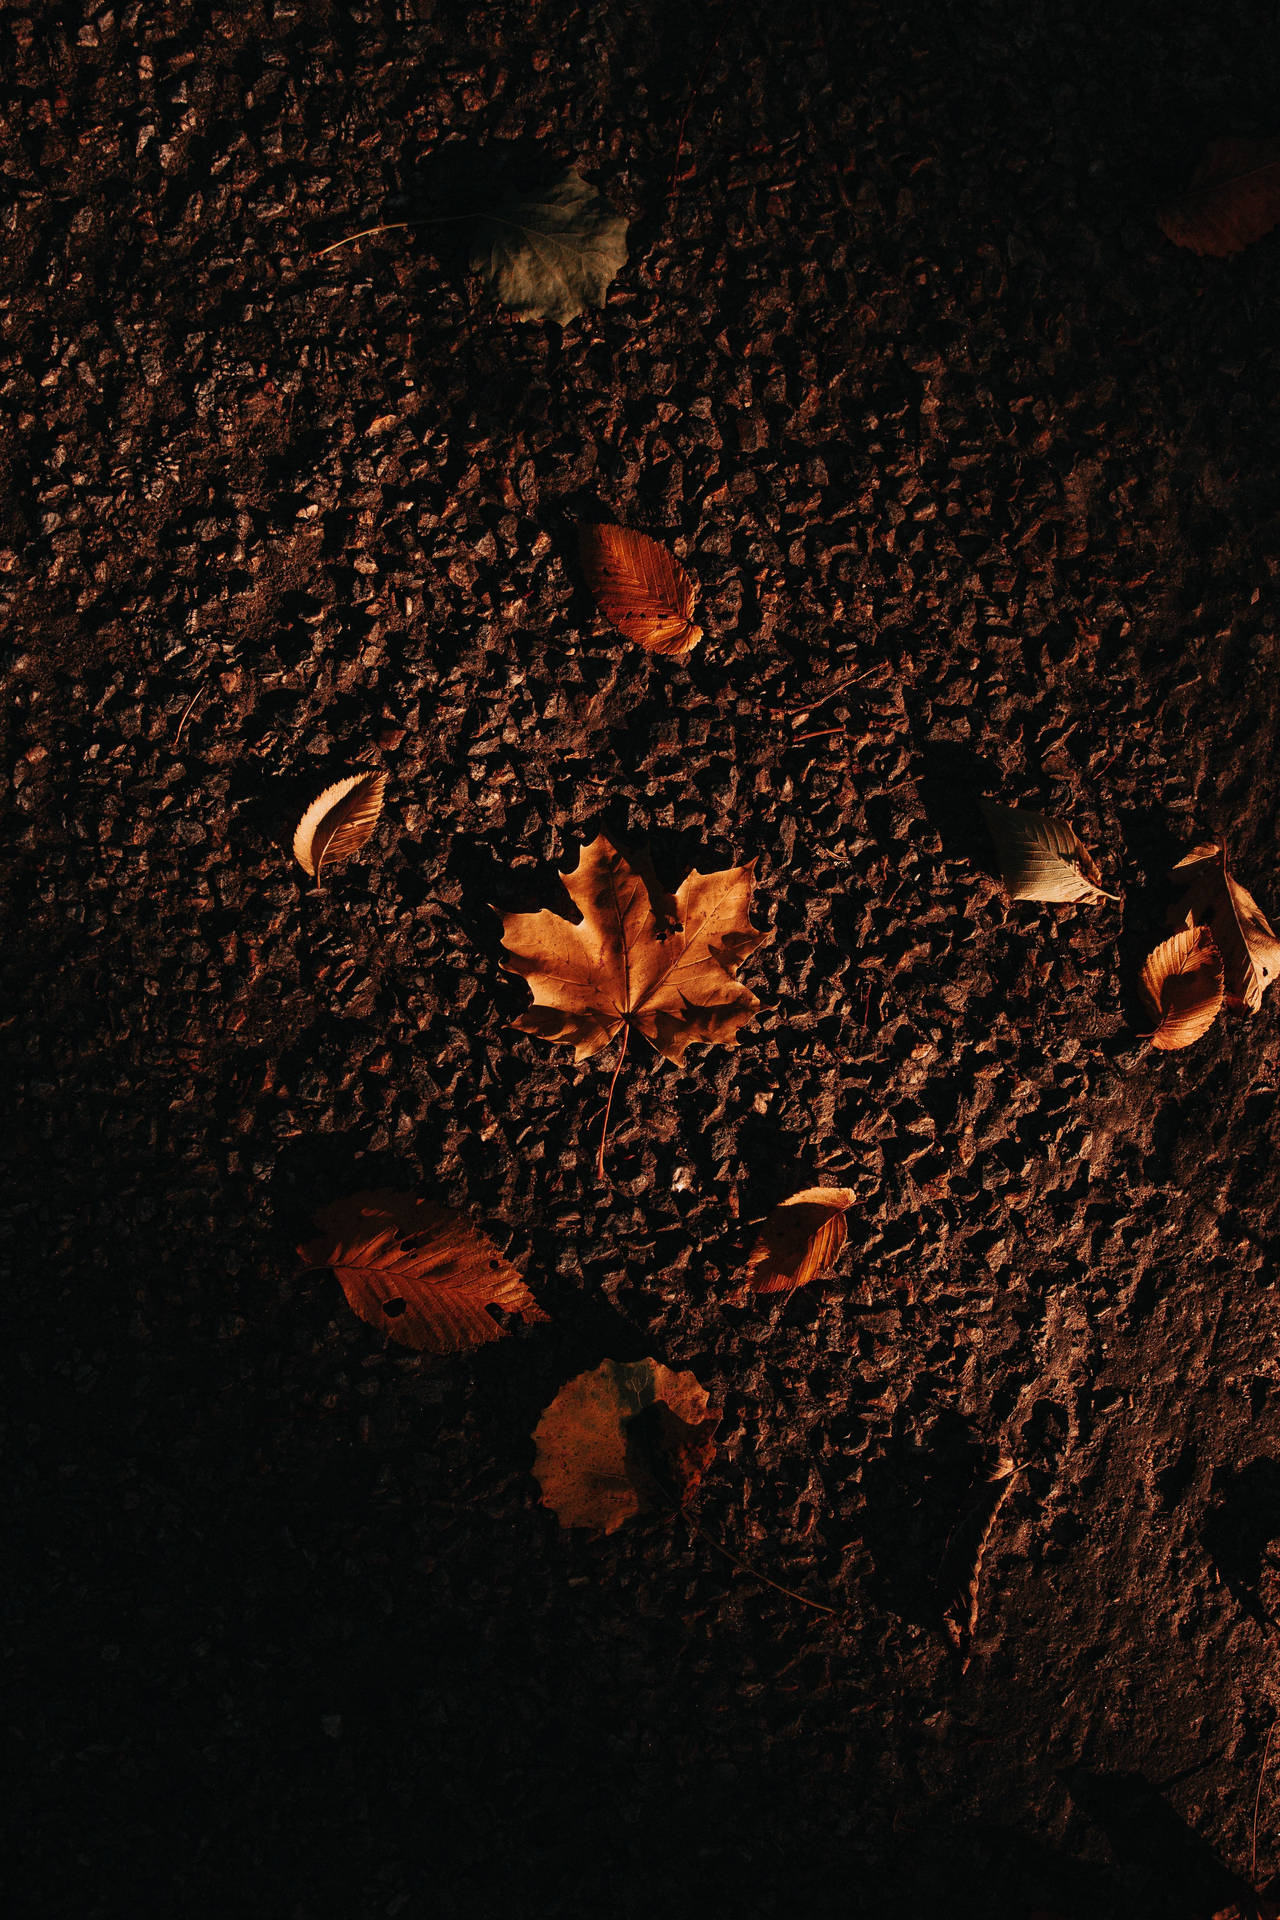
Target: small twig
column 811, row 706
column 673, row 190
column 608, row 1105
column 824, row 734
column 190, row 709
column 1257, row 1802
column 755, row 1573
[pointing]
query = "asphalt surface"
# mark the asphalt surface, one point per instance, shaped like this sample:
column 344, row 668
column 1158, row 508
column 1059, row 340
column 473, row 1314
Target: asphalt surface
column 968, row 461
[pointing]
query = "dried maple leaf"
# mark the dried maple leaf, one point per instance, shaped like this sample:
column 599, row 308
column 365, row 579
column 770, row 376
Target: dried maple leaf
column 1042, row 858
column 1181, row 988
column 1233, row 199
column 639, row 959
column 640, row 587
column 1215, row 899
column 960, row 1575
column 418, row 1271
column 550, row 251
column 799, row 1240
column 340, row 822
column 624, row 1438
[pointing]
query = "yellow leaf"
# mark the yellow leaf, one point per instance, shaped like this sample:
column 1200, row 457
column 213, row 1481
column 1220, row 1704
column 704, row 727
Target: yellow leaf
column 1042, row 858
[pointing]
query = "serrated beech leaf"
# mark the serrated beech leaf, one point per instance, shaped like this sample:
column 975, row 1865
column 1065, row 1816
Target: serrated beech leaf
column 799, row 1240
column 1233, row 198
column 419, row 1272
column 1042, row 858
column 640, row 587
column 339, row 822
column 622, row 1439
column 1241, row 932
column 1181, row 988
column 662, row 965
column 549, row 252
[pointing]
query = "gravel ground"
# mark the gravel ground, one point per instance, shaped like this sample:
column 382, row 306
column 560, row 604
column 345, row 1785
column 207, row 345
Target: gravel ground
column 907, row 375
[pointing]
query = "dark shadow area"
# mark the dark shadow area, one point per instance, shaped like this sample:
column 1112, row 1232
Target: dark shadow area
column 1239, row 1531
column 916, row 1499
column 952, row 781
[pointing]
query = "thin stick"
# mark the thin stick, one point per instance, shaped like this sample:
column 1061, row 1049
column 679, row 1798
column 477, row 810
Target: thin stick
column 742, row 1566
column 608, row 1105
column 1257, row 1801
column 824, row 734
column 187, row 715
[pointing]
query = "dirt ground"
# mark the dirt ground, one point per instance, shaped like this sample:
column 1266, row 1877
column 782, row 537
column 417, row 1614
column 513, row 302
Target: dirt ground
column 906, row 373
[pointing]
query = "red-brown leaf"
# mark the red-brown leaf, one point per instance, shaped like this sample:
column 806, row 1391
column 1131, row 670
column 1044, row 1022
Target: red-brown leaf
column 624, row 1438
column 800, row 1239
column 1233, row 199
column 420, row 1273
column 640, row 587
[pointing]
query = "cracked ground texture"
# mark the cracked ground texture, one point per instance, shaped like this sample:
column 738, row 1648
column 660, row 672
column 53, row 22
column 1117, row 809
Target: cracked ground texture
column 955, row 443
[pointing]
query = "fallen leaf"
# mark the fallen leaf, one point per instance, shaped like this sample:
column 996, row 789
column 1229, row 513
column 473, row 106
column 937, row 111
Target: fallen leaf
column 419, row 1272
column 1233, row 199
column 1215, row 899
column 961, row 1571
column 640, row 587
column 339, row 823
column 800, row 1239
column 639, row 959
column 620, row 1440
column 549, row 252
column 1181, row 988
column 1042, row 858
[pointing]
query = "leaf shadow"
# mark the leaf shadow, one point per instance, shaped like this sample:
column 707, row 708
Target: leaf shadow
column 914, row 1499
column 1182, row 1873
column 952, row 781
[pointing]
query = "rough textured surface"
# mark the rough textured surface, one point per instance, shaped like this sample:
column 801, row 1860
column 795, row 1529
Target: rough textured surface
column 912, row 383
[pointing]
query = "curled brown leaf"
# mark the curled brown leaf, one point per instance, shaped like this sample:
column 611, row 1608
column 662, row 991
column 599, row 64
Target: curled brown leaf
column 1181, row 988
column 621, row 1439
column 1241, row 932
column 960, row 1576
column 799, row 1240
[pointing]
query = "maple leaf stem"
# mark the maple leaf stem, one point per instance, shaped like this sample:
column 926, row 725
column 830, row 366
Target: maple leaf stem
column 608, row 1105
column 743, row 1566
